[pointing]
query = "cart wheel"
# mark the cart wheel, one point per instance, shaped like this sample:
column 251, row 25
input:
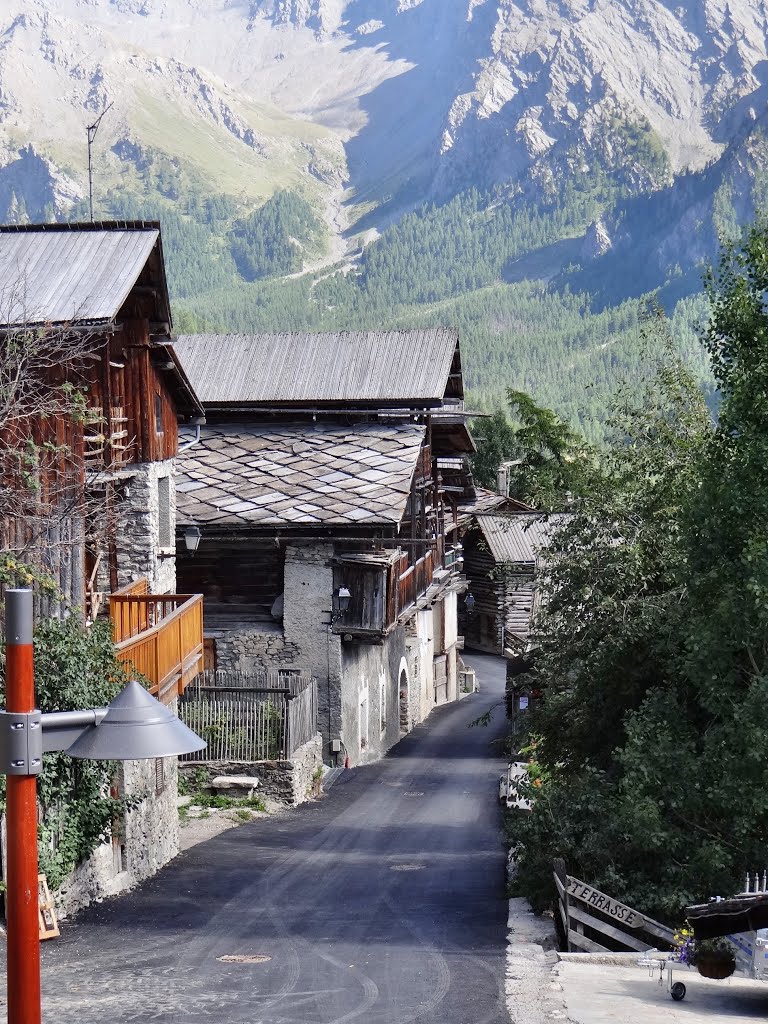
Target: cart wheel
column 677, row 991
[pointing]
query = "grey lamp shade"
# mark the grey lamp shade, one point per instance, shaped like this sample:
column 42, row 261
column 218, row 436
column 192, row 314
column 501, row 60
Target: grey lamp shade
column 136, row 726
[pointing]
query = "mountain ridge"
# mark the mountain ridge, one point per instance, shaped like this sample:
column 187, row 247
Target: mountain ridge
column 594, row 146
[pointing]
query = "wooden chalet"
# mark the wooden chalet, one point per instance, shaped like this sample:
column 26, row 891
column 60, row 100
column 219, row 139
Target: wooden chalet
column 95, row 510
column 386, row 479
column 503, row 551
column 330, row 465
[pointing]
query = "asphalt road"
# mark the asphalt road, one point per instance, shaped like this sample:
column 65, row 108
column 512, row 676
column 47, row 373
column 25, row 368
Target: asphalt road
column 381, row 903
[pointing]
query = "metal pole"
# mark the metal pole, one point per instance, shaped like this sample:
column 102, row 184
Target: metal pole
column 23, row 972
column 91, row 134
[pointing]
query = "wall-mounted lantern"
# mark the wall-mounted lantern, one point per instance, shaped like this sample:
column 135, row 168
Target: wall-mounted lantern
column 192, row 536
column 469, row 604
column 343, row 598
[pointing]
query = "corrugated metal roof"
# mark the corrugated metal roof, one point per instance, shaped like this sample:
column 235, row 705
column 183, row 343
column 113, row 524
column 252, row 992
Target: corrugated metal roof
column 350, row 366
column 519, row 537
column 57, row 276
column 297, row 475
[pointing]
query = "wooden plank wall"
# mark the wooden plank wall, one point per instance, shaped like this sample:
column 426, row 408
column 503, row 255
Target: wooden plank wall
column 238, row 572
column 367, row 585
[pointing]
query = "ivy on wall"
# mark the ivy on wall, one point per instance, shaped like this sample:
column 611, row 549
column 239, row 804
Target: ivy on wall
column 75, row 668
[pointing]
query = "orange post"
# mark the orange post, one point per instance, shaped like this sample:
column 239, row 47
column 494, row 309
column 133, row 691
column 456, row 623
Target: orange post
column 21, row 820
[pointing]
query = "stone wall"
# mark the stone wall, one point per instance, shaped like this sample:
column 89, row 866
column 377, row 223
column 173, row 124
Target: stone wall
column 138, row 528
column 370, row 695
column 254, row 648
column 151, row 840
column 290, row 782
column 307, row 624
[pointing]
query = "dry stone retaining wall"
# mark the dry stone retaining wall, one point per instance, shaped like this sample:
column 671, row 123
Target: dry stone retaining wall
column 289, row 782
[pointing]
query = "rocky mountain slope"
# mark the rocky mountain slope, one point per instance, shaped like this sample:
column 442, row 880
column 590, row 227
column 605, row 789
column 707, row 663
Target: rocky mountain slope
column 398, row 98
column 610, row 141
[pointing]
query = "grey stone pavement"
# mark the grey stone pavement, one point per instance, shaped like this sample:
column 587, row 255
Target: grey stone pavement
column 592, row 993
column 383, row 903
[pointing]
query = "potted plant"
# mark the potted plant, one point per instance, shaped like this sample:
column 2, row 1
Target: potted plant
column 714, row 958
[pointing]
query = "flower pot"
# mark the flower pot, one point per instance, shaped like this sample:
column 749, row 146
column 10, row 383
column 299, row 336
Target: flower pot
column 713, row 966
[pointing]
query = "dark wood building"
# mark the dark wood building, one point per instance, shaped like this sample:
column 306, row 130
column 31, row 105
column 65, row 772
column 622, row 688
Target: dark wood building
column 85, row 307
column 502, row 555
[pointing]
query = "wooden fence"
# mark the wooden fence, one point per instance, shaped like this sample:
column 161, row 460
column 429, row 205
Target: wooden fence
column 244, row 722
column 595, row 923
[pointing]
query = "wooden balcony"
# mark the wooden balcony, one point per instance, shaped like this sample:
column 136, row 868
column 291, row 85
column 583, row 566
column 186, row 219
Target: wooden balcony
column 382, row 587
column 161, row 636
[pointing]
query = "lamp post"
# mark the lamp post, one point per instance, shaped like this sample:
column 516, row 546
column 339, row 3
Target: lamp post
column 134, row 726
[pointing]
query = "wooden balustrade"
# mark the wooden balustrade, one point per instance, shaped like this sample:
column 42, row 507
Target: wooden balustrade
column 161, row 636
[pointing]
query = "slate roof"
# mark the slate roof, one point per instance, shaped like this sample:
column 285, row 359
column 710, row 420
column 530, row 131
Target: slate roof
column 297, row 475
column 485, row 503
column 61, row 273
column 355, row 367
column 519, row 537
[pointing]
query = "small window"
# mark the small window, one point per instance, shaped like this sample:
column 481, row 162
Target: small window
column 164, row 535
column 158, row 413
column 159, row 775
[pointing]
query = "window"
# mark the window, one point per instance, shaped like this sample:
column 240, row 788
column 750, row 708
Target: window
column 158, row 413
column 164, row 534
column 159, row 775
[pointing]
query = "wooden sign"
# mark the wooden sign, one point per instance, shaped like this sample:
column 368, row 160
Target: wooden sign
column 599, row 901
column 49, row 928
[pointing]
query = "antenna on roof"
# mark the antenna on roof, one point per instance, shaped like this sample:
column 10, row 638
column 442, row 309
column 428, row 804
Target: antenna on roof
column 91, row 130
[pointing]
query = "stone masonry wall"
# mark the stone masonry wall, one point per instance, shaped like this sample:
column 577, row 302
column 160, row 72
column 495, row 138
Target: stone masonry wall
column 371, row 696
column 151, row 840
column 138, row 529
column 254, row 649
column 290, row 782
column 308, row 602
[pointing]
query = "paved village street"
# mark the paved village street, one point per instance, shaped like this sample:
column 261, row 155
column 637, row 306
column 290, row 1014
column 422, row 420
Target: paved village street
column 381, row 903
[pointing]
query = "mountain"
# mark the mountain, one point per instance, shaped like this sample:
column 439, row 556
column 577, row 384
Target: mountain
column 413, row 158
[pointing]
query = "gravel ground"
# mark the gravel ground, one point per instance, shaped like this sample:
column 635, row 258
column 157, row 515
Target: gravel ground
column 200, row 827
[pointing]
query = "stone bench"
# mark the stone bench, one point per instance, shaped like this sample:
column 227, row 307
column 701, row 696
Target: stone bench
column 234, row 785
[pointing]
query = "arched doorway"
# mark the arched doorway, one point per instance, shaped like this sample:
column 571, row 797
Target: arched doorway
column 405, row 704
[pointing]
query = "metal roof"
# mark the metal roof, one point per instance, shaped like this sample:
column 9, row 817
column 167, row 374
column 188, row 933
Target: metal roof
column 62, row 273
column 519, row 537
column 297, row 475
column 352, row 367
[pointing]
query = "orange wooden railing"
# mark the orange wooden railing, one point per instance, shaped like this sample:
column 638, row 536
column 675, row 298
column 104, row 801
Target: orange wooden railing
column 161, row 636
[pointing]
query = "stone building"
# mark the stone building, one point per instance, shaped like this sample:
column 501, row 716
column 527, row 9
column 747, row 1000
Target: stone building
column 101, row 517
column 323, row 488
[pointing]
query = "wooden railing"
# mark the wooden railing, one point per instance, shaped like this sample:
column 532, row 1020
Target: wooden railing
column 414, row 579
column 161, row 636
column 592, row 922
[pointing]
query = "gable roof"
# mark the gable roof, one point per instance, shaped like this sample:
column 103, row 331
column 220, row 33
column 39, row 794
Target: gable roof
column 519, row 537
column 73, row 273
column 379, row 368
column 241, row 475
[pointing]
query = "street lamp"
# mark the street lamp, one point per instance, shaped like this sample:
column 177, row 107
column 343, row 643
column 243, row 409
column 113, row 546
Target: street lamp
column 192, row 536
column 343, row 597
column 134, row 726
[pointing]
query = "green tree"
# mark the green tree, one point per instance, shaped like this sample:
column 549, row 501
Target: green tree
column 656, row 624
column 75, row 668
column 495, row 440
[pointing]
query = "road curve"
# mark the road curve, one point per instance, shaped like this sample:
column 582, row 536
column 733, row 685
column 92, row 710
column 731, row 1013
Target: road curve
column 382, row 903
